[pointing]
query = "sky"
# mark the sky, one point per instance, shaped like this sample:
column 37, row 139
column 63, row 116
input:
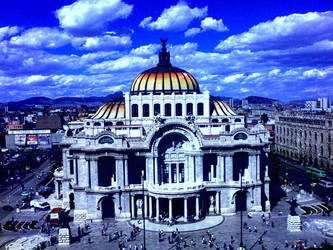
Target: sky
column 277, row 49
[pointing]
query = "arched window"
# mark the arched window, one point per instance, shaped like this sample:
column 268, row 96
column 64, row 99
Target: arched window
column 135, row 110
column 119, row 123
column 157, row 109
column 238, row 120
column 189, row 109
column 200, row 110
column 227, row 128
column 97, row 124
column 88, row 123
column 225, row 120
column 167, row 109
column 107, row 124
column 215, row 121
column 179, row 107
column 145, row 109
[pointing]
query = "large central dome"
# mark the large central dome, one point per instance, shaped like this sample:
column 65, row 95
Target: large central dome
column 164, row 78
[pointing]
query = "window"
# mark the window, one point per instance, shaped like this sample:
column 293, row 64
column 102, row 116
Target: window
column 237, row 120
column 97, row 124
column 167, row 109
column 157, row 109
column 321, row 137
column 119, row 123
column 71, row 167
column 145, row 108
column 200, row 110
column 225, row 120
column 135, row 111
column 189, row 109
column 179, row 109
column 215, row 121
column 227, row 128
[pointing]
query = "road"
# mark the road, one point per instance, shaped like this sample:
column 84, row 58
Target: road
column 12, row 196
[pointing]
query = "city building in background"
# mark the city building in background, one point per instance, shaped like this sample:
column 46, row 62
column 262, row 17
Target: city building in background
column 322, row 104
column 190, row 146
column 305, row 137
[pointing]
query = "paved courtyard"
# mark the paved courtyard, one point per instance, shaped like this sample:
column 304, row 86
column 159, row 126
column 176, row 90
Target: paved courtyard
column 227, row 232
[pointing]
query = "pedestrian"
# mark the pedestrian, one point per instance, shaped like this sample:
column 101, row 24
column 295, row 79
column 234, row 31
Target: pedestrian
column 255, row 229
column 79, row 231
column 272, row 223
column 250, row 229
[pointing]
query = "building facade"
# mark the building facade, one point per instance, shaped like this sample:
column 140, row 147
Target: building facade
column 306, row 138
column 165, row 150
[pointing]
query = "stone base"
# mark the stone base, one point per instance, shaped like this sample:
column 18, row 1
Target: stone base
column 256, row 208
column 294, row 223
column 228, row 210
column 124, row 216
column 267, row 206
column 64, row 237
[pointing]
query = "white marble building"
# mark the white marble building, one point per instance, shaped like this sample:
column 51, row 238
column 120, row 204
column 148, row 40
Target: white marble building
column 189, row 146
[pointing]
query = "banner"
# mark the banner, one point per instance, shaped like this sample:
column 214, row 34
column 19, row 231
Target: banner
column 44, row 139
column 32, row 140
column 20, row 140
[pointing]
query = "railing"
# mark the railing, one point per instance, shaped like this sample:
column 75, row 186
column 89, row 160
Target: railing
column 175, row 187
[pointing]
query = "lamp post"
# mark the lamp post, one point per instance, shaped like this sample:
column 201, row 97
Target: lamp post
column 241, row 212
column 143, row 208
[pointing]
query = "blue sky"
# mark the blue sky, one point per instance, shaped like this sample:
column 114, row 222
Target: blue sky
column 278, row 49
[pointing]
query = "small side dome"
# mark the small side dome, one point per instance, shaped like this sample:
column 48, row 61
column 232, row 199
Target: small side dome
column 111, row 110
column 220, row 108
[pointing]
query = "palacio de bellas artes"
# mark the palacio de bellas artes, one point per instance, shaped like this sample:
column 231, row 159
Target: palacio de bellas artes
column 165, row 151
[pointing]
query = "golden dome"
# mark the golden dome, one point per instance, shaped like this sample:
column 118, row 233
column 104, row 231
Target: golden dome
column 111, row 110
column 164, row 78
column 220, row 108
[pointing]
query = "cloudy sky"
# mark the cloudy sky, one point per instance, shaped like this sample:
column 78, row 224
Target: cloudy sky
column 279, row 49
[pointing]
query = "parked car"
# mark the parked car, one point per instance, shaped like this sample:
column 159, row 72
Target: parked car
column 40, row 204
column 325, row 183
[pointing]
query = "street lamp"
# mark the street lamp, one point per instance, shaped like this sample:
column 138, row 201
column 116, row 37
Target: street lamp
column 143, row 208
column 241, row 212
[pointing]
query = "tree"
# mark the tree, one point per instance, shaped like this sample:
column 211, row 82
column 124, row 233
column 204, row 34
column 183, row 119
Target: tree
column 264, row 118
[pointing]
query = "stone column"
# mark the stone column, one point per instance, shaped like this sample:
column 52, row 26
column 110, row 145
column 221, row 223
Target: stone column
column 169, row 168
column 146, row 207
column 170, row 208
column 191, row 173
column 132, row 206
column 94, row 173
column 150, row 207
column 150, row 170
column 120, row 172
column 56, row 185
column 211, row 172
column 157, row 209
column 198, row 168
column 197, row 207
column 186, row 169
column 126, row 172
column 258, row 167
column 177, row 173
column 217, row 202
column 156, row 170
column 185, row 209
column 229, row 168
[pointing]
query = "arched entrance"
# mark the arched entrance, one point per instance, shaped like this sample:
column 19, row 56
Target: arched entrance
column 106, row 171
column 240, row 201
column 107, row 206
column 172, row 149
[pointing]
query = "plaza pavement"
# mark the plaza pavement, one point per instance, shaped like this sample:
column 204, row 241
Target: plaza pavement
column 273, row 237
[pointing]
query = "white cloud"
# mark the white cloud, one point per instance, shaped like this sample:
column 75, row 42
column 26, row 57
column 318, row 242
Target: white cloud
column 43, row 37
column 146, row 50
column 91, row 16
column 244, row 90
column 105, row 42
column 175, row 18
column 210, row 23
column 296, row 30
column 192, row 32
column 8, row 31
column 126, row 63
column 233, row 78
column 35, row 78
column 144, row 23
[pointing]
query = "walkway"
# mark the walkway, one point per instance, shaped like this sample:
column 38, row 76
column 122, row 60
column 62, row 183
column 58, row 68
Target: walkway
column 208, row 222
